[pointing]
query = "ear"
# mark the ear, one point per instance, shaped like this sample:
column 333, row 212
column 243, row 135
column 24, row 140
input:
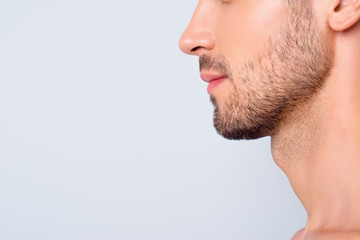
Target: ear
column 344, row 14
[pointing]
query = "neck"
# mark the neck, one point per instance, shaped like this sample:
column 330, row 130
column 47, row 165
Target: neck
column 317, row 147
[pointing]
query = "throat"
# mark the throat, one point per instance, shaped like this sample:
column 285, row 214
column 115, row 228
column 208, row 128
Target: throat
column 298, row 136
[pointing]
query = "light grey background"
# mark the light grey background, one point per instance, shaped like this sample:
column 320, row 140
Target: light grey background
column 106, row 132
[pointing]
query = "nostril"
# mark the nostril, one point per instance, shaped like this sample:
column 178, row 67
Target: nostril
column 194, row 49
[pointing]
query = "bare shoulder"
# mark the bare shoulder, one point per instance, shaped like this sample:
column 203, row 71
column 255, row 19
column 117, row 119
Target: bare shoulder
column 333, row 236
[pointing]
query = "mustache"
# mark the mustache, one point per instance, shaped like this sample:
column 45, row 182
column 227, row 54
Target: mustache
column 217, row 64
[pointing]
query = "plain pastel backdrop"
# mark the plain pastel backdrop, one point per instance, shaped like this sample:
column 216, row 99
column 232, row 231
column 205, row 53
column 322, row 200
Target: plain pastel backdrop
column 106, row 132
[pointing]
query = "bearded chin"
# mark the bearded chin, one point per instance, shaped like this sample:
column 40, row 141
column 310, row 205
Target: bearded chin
column 288, row 74
column 233, row 129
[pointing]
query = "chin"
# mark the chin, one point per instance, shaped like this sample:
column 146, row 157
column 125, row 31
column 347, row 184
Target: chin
column 243, row 134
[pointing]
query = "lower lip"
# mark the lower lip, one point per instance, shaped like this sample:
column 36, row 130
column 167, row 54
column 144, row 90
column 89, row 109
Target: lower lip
column 214, row 83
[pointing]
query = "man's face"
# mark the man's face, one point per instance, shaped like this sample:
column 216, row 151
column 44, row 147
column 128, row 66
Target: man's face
column 262, row 58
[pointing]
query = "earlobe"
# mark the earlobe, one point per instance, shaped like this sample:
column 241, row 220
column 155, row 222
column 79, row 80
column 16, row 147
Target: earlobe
column 344, row 14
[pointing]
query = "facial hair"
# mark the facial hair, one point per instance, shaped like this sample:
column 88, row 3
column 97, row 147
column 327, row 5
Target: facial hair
column 290, row 72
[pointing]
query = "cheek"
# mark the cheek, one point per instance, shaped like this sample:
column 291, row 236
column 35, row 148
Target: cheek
column 245, row 27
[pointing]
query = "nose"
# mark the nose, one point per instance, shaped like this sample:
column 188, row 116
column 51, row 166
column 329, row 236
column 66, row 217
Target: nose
column 199, row 35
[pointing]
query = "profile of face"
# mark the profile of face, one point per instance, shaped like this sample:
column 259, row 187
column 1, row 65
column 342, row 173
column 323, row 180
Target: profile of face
column 262, row 59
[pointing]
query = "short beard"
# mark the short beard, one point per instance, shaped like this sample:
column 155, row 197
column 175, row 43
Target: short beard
column 289, row 74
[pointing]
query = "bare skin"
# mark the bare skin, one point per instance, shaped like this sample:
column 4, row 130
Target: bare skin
column 317, row 145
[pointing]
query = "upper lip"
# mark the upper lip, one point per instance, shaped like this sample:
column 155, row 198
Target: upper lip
column 209, row 77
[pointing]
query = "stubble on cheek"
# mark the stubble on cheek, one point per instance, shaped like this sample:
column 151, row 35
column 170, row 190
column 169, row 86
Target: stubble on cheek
column 286, row 75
